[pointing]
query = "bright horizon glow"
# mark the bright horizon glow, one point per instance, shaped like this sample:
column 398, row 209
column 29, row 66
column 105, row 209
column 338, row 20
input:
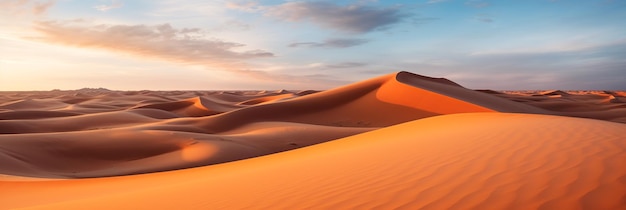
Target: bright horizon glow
column 243, row 45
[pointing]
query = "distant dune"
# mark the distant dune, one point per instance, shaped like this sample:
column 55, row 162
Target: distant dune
column 397, row 141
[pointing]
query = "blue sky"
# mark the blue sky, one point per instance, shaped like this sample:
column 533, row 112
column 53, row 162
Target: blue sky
column 209, row 45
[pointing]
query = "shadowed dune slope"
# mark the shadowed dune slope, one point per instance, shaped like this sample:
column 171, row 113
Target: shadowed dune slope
column 32, row 104
column 123, row 151
column 603, row 105
column 490, row 161
column 73, row 123
column 33, row 114
column 193, row 107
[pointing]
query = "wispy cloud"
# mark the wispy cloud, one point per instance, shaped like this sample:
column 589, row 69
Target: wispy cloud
column 163, row 41
column 345, row 65
column 591, row 67
column 331, row 43
column 25, row 6
column 341, row 65
column 233, row 25
column 106, row 7
column 349, row 18
column 41, row 7
column 483, row 18
column 246, row 6
column 422, row 20
column 312, row 80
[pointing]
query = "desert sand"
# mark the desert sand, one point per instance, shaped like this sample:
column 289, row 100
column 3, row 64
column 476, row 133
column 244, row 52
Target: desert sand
column 399, row 141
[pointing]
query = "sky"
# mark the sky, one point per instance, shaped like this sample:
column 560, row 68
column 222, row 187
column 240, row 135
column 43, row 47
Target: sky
column 296, row 45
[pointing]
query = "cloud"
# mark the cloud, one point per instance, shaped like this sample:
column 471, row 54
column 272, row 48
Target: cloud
column 345, row 65
column 477, row 3
column 483, row 18
column 592, row 67
column 113, row 5
column 423, row 20
column 246, row 6
column 164, row 42
column 342, row 65
column 41, row 7
column 331, row 43
column 316, row 81
column 233, row 25
column 349, row 18
column 186, row 45
column 16, row 7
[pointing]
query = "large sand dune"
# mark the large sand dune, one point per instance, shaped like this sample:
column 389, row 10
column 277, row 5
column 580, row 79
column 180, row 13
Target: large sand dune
column 490, row 161
column 310, row 149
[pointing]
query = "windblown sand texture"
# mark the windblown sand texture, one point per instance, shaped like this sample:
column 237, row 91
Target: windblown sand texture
column 399, row 141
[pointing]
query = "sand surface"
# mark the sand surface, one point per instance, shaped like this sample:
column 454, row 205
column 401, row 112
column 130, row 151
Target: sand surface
column 397, row 141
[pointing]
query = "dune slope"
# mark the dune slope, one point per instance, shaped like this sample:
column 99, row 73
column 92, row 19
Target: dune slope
column 604, row 105
column 123, row 151
column 490, row 161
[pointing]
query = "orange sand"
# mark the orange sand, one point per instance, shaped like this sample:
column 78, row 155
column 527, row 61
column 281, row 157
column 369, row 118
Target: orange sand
column 396, row 141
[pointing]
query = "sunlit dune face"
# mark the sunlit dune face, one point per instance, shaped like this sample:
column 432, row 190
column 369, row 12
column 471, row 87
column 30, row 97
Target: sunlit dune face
column 197, row 151
column 404, row 95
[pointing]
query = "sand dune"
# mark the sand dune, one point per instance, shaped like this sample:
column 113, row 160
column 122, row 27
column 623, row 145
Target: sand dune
column 321, row 117
column 456, row 96
column 387, row 100
column 396, row 141
column 267, row 99
column 491, row 161
column 33, row 114
column 193, row 107
column 32, row 104
column 73, row 123
column 604, row 105
column 110, row 152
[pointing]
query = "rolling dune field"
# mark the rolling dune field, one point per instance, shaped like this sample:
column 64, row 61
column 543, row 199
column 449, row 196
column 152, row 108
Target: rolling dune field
column 398, row 141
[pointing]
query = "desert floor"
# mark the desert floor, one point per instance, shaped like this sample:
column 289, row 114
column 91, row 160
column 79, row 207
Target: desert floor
column 399, row 141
